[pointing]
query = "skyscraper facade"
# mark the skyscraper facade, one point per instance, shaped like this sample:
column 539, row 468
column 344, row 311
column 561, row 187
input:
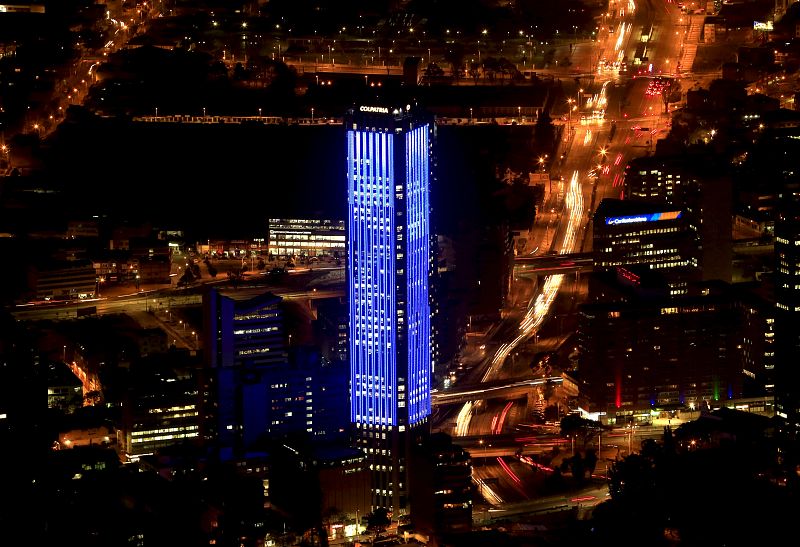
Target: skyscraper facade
column 787, row 335
column 244, row 347
column 389, row 264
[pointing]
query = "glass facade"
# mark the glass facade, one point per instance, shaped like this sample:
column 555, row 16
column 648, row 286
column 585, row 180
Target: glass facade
column 389, row 265
column 306, row 237
column 383, row 252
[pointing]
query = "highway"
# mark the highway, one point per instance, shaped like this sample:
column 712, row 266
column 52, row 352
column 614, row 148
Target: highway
column 505, row 389
column 608, row 120
column 155, row 301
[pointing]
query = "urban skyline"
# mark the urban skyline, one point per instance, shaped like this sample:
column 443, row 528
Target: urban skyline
column 399, row 272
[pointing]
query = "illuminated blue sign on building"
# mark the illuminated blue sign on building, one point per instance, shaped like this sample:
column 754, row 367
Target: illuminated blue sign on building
column 653, row 217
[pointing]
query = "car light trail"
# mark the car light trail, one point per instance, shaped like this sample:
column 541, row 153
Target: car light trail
column 486, row 491
column 463, row 420
column 508, row 470
column 536, row 314
column 497, row 423
column 528, row 460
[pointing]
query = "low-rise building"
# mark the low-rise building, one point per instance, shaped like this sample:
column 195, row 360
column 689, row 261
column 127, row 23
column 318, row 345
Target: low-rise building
column 306, row 237
column 68, row 280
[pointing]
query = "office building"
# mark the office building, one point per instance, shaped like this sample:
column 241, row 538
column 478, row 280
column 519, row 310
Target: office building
column 261, row 388
column 703, row 195
column 297, row 237
column 787, row 317
column 244, row 339
column 650, row 350
column 62, row 280
column 444, row 503
column 658, row 236
column 389, row 264
column 756, row 343
column 161, row 408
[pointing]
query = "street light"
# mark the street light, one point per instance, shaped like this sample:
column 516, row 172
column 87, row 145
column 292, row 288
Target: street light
column 312, row 114
column 569, row 112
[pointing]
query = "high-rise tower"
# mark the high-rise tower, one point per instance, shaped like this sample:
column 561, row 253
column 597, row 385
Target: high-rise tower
column 389, row 264
column 787, row 335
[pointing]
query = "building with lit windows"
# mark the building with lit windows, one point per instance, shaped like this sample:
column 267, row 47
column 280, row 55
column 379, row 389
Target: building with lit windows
column 161, row 406
column 756, row 343
column 787, row 318
column 262, row 388
column 655, row 351
column 445, row 498
column 389, row 264
column 64, row 280
column 701, row 192
column 658, row 236
column 296, row 237
column 244, row 340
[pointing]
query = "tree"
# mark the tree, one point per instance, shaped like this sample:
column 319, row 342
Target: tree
column 378, row 520
column 260, row 265
column 575, row 465
column 544, row 130
column 186, row 278
column 433, row 71
column 475, row 71
column 455, row 56
column 590, row 461
column 490, row 67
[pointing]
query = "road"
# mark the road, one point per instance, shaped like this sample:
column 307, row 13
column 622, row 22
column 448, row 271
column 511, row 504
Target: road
column 157, row 301
column 608, row 119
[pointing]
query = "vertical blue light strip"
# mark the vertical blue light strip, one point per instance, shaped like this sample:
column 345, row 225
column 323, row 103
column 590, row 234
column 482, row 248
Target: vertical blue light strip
column 418, row 253
column 371, row 267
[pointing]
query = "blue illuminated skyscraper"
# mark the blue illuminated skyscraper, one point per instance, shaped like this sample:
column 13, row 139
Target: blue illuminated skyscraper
column 389, row 264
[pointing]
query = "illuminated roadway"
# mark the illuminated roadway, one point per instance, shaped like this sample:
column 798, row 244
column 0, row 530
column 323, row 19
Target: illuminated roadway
column 546, row 265
column 160, row 300
column 504, row 389
column 607, row 124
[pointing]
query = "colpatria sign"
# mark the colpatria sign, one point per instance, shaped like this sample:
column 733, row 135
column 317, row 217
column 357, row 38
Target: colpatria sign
column 374, row 109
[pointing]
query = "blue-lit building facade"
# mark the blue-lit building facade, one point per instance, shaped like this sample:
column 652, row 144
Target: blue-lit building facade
column 389, row 264
column 245, row 344
column 261, row 389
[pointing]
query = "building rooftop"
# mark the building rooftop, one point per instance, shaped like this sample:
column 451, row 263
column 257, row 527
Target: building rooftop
column 611, row 207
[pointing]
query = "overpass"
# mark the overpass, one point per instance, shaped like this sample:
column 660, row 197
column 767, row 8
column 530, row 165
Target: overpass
column 157, row 300
column 505, row 389
column 553, row 264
